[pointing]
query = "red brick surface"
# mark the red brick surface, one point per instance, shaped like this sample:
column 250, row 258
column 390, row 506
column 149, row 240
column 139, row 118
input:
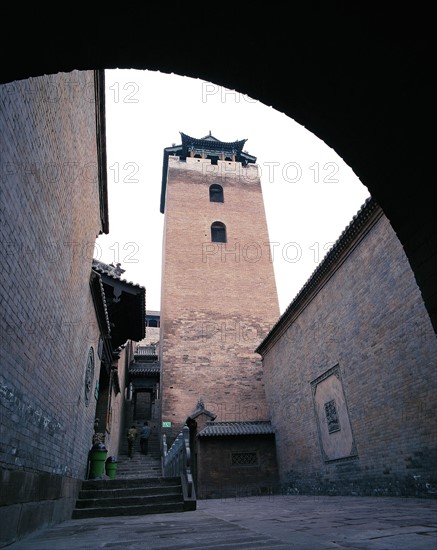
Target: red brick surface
column 218, row 299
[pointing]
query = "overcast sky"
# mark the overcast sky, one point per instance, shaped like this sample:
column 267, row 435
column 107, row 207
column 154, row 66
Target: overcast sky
column 310, row 194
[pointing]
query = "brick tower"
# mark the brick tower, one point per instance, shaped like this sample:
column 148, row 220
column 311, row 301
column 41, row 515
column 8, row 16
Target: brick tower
column 218, row 297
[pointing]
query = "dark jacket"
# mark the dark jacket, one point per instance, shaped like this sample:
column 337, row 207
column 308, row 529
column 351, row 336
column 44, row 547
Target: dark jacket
column 145, row 432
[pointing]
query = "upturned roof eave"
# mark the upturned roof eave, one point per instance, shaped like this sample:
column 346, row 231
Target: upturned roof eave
column 214, row 144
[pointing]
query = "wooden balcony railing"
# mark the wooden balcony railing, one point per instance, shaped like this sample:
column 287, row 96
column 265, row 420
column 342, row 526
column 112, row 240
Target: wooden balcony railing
column 146, row 350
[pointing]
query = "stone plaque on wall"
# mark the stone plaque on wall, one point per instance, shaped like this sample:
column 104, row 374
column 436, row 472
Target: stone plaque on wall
column 332, row 416
column 89, row 375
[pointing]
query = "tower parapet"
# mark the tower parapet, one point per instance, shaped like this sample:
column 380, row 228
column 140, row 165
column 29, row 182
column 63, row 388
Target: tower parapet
column 227, row 157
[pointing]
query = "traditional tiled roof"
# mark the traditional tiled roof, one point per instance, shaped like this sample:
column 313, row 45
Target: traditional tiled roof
column 109, row 269
column 153, row 312
column 125, row 302
column 113, row 272
column 211, row 143
column 361, row 223
column 210, row 146
column 101, row 148
column 100, row 301
column 199, row 410
column 151, row 369
column 258, row 427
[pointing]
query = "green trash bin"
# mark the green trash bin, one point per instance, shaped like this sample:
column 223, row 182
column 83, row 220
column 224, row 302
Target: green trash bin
column 97, row 460
column 111, row 467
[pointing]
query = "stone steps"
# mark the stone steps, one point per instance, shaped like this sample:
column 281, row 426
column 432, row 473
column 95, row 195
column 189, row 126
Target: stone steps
column 125, row 501
column 138, row 466
column 137, row 489
column 92, row 494
column 129, row 497
column 99, row 512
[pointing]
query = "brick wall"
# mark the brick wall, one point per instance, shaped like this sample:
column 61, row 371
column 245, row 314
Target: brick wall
column 218, row 299
column 50, row 220
column 116, row 405
column 236, row 467
column 365, row 341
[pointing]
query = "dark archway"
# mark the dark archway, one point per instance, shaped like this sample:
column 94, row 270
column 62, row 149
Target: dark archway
column 360, row 80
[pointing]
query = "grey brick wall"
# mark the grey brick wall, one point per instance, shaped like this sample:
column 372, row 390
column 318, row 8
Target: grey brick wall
column 370, row 321
column 50, row 219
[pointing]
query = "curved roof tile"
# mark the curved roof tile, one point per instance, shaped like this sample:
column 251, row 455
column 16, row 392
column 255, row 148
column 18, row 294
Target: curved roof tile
column 259, row 427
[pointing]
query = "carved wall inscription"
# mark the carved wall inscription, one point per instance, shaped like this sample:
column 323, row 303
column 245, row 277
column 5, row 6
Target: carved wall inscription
column 332, row 416
column 89, row 375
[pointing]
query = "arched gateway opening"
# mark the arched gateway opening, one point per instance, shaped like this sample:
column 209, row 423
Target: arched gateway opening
column 360, row 83
column 360, row 88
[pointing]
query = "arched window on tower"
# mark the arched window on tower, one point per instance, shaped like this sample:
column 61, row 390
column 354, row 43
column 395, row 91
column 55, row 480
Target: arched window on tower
column 218, row 232
column 216, row 193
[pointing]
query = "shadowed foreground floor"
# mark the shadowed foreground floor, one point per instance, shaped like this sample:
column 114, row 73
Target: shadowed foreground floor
column 276, row 522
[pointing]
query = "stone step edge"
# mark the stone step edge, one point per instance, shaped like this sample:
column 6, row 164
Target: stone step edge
column 94, row 503
column 161, row 489
column 175, row 491
column 134, row 510
column 159, row 480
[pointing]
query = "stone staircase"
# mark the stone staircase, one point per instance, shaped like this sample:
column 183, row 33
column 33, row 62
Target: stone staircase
column 138, row 488
column 140, row 466
column 129, row 497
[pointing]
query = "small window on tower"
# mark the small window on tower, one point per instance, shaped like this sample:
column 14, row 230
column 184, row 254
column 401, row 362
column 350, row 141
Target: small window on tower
column 218, row 232
column 216, row 193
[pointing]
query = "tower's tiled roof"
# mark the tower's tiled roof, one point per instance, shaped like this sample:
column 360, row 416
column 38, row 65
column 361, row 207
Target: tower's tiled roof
column 211, row 146
column 210, row 142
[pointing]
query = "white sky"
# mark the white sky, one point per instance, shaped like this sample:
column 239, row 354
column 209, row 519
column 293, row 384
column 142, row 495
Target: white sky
column 310, row 194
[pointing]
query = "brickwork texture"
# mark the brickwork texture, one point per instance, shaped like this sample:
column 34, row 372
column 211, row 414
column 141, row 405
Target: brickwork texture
column 236, row 467
column 368, row 323
column 50, row 219
column 218, row 299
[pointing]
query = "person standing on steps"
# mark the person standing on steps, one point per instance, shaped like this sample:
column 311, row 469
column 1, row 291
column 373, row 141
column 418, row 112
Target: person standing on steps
column 145, row 432
column 132, row 435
